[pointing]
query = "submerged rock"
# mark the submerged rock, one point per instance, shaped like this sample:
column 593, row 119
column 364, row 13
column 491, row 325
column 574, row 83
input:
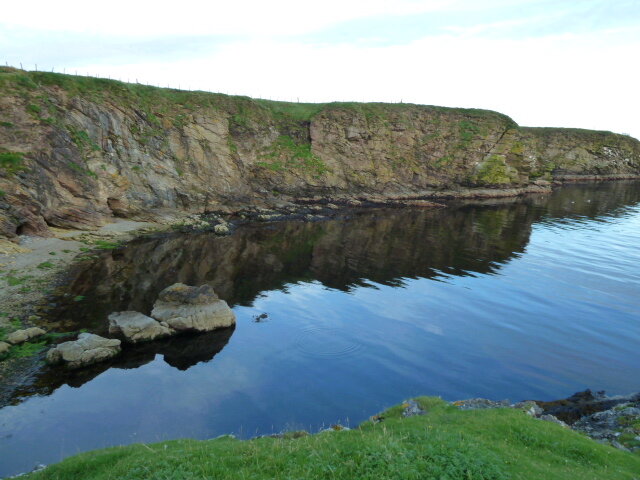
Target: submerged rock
column 136, row 327
column 86, row 350
column 21, row 336
column 192, row 308
column 4, row 348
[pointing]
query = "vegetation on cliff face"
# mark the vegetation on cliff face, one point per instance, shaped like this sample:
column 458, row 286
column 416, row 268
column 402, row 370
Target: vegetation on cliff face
column 76, row 151
column 445, row 443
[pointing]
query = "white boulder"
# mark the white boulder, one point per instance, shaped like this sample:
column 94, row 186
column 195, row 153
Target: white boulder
column 86, row 350
column 192, row 308
column 136, row 327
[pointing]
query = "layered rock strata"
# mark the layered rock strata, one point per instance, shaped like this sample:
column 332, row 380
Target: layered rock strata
column 76, row 152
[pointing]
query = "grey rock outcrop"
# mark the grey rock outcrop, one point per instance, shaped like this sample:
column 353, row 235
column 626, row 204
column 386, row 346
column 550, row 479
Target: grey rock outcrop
column 136, row 327
column 21, row 336
column 4, row 347
column 553, row 419
column 529, row 407
column 619, row 425
column 86, row 350
column 192, row 308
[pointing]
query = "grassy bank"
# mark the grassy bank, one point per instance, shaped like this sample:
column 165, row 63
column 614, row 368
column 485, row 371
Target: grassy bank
column 446, row 443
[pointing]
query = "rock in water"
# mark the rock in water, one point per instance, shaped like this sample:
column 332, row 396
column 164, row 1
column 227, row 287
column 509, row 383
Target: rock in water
column 4, row 348
column 192, row 308
column 86, row 350
column 21, row 336
column 136, row 327
column 180, row 293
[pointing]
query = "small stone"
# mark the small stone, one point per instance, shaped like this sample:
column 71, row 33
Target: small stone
column 21, row 336
column 4, row 347
column 221, row 229
column 334, row 428
column 551, row 418
column 411, row 409
column 619, row 446
column 531, row 408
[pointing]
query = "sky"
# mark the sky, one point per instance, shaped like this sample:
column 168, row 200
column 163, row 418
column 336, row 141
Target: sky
column 544, row 63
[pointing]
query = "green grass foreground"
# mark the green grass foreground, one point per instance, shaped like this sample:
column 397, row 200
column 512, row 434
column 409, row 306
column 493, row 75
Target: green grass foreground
column 446, row 443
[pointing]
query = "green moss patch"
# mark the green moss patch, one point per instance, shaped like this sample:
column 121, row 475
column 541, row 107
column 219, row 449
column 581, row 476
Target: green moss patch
column 286, row 154
column 495, row 171
column 11, row 162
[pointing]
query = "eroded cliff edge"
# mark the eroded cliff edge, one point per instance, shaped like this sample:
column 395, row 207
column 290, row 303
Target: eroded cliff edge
column 77, row 151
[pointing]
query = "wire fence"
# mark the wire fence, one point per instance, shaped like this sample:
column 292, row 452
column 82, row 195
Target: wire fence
column 178, row 86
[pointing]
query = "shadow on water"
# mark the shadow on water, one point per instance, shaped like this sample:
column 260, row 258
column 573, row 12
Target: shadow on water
column 181, row 352
column 381, row 246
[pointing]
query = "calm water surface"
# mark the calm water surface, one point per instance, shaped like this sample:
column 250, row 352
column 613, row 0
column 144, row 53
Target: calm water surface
column 534, row 298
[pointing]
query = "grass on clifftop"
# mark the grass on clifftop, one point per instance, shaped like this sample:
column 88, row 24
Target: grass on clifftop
column 173, row 101
column 445, row 444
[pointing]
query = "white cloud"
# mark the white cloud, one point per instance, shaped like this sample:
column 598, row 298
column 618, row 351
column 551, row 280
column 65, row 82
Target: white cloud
column 586, row 80
column 193, row 17
column 567, row 80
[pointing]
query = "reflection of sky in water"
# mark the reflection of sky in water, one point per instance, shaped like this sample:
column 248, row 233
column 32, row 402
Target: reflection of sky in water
column 558, row 318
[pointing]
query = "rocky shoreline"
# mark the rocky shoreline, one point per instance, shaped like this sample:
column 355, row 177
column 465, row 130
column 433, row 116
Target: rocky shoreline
column 612, row 420
column 609, row 420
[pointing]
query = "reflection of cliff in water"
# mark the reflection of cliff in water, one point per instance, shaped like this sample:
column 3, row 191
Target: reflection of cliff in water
column 181, row 352
column 383, row 246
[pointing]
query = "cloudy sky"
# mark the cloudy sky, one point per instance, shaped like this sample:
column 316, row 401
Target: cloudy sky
column 571, row 63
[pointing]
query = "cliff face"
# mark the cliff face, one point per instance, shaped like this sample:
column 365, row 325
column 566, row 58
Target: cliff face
column 76, row 151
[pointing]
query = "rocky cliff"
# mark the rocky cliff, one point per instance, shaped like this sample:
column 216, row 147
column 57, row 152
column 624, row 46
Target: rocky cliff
column 77, row 151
